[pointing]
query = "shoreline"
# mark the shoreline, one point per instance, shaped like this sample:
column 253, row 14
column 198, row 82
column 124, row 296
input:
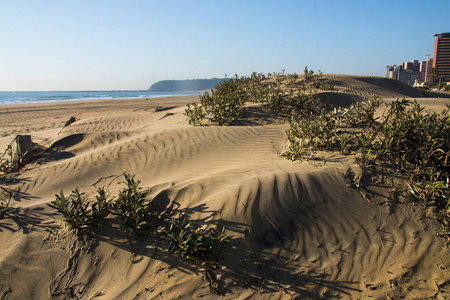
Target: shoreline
column 30, row 97
column 44, row 119
column 120, row 101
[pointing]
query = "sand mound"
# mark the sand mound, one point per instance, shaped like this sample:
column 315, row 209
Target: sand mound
column 368, row 86
column 295, row 229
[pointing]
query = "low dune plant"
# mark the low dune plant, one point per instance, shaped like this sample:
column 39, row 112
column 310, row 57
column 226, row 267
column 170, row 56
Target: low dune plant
column 412, row 136
column 195, row 114
column 195, row 244
column 302, row 102
column 255, row 87
column 224, row 103
column 131, row 205
column 308, row 75
column 6, row 161
column 313, row 132
column 292, row 79
column 275, row 98
column 78, row 212
column 101, row 206
column 325, row 84
column 74, row 209
column 365, row 112
column 344, row 141
column 10, row 161
column 216, row 245
column 364, row 158
column 186, row 245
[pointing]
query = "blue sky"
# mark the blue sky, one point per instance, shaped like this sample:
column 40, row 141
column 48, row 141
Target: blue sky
column 108, row 45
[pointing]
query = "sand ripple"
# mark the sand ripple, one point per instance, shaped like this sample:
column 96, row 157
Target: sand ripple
column 295, row 229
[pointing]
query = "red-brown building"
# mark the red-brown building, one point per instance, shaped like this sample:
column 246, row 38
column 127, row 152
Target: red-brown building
column 441, row 60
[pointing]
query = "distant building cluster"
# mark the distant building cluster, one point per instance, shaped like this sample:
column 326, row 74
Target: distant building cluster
column 430, row 71
column 411, row 72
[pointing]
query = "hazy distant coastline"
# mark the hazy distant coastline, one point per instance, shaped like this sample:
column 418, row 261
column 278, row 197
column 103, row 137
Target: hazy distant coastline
column 189, row 85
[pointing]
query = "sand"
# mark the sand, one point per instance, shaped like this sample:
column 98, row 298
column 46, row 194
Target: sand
column 295, row 229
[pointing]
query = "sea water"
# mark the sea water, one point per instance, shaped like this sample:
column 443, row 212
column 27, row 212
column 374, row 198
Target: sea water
column 41, row 97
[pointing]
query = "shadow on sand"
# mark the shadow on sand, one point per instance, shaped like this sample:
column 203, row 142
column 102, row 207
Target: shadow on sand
column 249, row 262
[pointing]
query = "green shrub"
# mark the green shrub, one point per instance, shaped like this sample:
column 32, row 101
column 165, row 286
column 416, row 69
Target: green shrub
column 195, row 114
column 308, row 75
column 292, row 79
column 216, row 245
column 226, row 101
column 198, row 244
column 78, row 212
column 275, row 98
column 131, row 206
column 100, row 208
column 10, row 164
column 325, row 84
column 254, row 87
column 411, row 135
column 314, row 132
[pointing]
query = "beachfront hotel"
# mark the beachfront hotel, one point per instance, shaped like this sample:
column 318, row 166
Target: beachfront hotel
column 441, row 61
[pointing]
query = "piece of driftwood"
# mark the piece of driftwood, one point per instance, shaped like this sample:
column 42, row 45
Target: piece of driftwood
column 24, row 149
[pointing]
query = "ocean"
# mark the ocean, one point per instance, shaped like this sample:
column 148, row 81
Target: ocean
column 41, row 97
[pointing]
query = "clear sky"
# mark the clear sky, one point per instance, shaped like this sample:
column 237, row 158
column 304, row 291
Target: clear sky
column 109, row 45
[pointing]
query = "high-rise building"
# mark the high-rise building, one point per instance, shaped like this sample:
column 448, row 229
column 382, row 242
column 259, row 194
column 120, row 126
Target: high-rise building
column 407, row 65
column 425, row 70
column 392, row 71
column 422, row 70
column 423, row 66
column 415, row 65
column 441, row 59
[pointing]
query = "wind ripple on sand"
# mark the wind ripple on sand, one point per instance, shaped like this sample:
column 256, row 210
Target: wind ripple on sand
column 295, row 228
column 302, row 217
column 178, row 154
column 368, row 86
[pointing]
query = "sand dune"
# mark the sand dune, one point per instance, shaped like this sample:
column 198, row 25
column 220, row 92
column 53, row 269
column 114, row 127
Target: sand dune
column 296, row 230
column 349, row 89
column 366, row 86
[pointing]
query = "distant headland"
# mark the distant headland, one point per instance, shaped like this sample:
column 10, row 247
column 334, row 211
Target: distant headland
column 188, row 85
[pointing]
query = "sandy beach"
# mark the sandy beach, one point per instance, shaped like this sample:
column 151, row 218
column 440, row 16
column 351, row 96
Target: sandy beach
column 295, row 229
